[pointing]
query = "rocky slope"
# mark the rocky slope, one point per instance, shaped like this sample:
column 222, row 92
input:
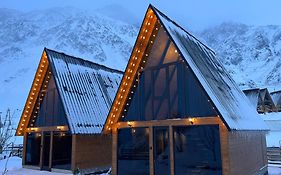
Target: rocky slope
column 251, row 54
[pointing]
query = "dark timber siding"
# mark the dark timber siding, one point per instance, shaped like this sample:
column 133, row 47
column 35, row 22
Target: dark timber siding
column 92, row 151
column 247, row 152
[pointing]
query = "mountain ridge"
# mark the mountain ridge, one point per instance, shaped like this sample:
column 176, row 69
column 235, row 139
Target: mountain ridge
column 251, row 54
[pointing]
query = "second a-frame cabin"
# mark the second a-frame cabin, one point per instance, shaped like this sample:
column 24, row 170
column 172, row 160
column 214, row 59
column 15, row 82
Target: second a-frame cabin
column 276, row 97
column 261, row 99
column 65, row 112
column 177, row 111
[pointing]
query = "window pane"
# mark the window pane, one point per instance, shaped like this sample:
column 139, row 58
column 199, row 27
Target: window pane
column 62, row 152
column 33, row 149
column 161, row 151
column 51, row 111
column 133, row 151
column 197, row 150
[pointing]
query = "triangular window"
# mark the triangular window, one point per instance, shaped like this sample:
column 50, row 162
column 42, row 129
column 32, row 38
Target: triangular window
column 48, row 110
column 167, row 88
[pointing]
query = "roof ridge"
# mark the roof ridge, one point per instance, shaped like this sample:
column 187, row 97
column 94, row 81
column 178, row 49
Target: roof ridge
column 177, row 25
column 278, row 91
column 84, row 60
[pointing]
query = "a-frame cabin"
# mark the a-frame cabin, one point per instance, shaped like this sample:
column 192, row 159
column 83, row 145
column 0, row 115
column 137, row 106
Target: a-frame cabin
column 261, row 99
column 276, row 97
column 64, row 114
column 177, row 111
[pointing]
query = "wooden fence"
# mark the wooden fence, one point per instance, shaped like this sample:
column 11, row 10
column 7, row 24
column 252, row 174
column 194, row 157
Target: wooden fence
column 274, row 156
column 14, row 150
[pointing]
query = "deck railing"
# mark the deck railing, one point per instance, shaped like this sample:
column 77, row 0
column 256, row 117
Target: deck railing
column 274, row 156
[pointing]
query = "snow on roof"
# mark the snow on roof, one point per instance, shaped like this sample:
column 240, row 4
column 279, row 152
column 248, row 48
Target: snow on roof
column 253, row 96
column 273, row 120
column 276, row 97
column 87, row 90
column 231, row 102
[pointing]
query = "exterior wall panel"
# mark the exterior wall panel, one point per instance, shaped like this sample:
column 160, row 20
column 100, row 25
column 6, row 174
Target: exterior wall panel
column 92, row 152
column 247, row 152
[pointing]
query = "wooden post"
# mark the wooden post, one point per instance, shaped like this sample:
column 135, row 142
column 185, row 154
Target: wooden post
column 171, row 141
column 224, row 149
column 151, row 151
column 24, row 148
column 114, row 152
column 51, row 150
column 41, row 150
column 73, row 153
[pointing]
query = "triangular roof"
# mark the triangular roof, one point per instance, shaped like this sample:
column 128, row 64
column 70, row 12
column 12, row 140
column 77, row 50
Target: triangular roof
column 86, row 90
column 234, row 108
column 276, row 97
column 260, row 97
column 252, row 95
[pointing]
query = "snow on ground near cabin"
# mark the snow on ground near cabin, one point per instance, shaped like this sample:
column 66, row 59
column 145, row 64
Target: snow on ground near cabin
column 274, row 171
column 14, row 168
column 273, row 121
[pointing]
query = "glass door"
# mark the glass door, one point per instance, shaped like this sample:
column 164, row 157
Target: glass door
column 161, row 151
column 46, row 151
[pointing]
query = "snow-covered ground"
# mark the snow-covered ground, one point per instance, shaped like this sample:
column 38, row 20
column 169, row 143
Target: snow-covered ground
column 14, row 168
column 274, row 170
column 273, row 121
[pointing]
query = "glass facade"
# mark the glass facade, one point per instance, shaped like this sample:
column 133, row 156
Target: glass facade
column 51, row 111
column 46, row 150
column 197, row 150
column 62, row 152
column 167, row 87
column 161, row 151
column 33, row 143
column 133, row 151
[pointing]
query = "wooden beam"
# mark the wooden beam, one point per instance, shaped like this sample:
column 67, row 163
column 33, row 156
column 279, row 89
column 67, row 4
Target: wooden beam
column 73, row 153
column 41, row 150
column 131, row 72
column 51, row 150
column 49, row 128
column 151, row 151
column 224, row 144
column 33, row 94
column 168, row 122
column 24, row 148
column 171, row 144
column 114, row 152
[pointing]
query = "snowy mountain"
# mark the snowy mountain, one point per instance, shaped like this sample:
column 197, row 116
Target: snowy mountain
column 251, row 54
column 84, row 34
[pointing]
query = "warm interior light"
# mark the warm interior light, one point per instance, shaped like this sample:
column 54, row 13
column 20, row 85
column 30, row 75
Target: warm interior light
column 191, row 120
column 60, row 127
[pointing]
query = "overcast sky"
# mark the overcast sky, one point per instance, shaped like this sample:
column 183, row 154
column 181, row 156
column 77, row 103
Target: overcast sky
column 194, row 14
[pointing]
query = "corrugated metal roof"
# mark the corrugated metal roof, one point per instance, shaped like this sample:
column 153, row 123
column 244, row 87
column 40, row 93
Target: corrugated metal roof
column 231, row 102
column 87, row 90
